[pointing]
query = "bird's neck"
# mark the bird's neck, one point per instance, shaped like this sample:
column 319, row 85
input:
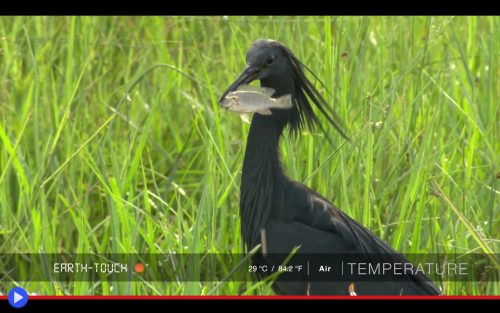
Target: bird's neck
column 262, row 178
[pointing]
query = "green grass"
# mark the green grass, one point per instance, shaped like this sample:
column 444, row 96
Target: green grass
column 103, row 150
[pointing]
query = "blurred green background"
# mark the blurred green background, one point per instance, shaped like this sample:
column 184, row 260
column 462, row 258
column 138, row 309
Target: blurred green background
column 112, row 140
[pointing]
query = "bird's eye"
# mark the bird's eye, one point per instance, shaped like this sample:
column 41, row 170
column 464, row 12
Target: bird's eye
column 270, row 60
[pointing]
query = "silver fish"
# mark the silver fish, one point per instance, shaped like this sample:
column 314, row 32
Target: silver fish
column 251, row 99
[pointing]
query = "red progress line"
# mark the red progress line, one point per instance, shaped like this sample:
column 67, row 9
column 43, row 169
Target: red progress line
column 260, row 297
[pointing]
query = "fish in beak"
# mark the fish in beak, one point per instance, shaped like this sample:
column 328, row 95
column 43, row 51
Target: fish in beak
column 251, row 99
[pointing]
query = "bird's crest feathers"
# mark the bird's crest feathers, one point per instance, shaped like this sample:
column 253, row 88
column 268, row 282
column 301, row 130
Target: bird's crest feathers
column 306, row 96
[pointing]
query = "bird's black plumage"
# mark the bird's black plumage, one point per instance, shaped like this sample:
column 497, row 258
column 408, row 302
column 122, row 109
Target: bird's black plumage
column 287, row 212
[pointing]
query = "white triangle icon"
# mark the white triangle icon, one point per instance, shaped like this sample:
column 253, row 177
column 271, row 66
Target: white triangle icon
column 17, row 297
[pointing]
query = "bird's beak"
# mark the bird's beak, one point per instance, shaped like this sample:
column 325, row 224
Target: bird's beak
column 248, row 75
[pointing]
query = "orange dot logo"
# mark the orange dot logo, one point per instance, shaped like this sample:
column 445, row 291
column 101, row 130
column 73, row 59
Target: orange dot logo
column 139, row 267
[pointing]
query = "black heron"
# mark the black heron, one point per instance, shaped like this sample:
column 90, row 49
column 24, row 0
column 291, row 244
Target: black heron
column 288, row 213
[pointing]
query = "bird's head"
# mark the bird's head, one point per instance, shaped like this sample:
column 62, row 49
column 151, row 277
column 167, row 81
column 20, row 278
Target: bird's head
column 278, row 68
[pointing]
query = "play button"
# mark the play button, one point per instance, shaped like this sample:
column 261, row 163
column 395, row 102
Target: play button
column 18, row 297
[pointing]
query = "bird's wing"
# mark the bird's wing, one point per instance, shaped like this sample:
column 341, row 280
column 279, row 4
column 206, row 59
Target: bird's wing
column 314, row 210
column 336, row 232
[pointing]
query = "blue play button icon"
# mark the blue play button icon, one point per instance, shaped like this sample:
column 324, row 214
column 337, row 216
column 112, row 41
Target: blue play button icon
column 18, row 297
